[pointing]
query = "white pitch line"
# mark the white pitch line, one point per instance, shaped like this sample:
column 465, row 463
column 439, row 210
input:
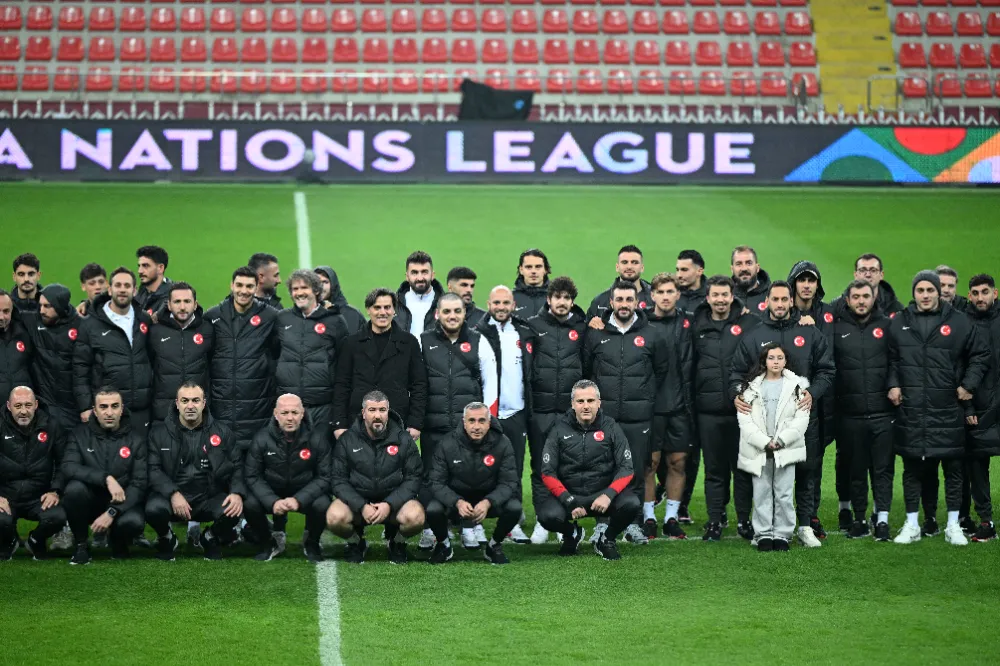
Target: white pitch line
column 329, row 613
column 302, row 231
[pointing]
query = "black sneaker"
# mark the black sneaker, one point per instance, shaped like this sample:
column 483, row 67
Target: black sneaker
column 211, row 546
column 571, row 541
column 779, row 545
column 713, row 532
column 607, row 549
column 314, row 554
column 494, row 554
column 985, row 532
column 8, row 551
column 649, row 528
column 817, row 528
column 859, row 530
column 442, row 553
column 39, row 551
column 81, row 555
column 882, row 532
column 355, row 551
column 660, row 493
column 120, row 549
column 765, row 545
column 672, row 530
column 724, row 523
column 683, row 515
column 845, row 520
column 745, row 529
column 166, row 546
column 270, row 551
column 968, row 525
column 397, row 552
column 930, row 528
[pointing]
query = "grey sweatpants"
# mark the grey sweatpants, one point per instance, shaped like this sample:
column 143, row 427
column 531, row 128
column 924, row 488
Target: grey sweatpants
column 773, row 509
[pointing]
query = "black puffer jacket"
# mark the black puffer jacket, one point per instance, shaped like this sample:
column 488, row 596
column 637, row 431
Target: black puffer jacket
column 861, row 352
column 403, row 315
column 822, row 314
column 352, row 316
column 16, row 352
column 177, row 453
column 25, row 304
column 599, row 307
column 984, row 437
column 674, row 394
column 528, row 300
column 154, row 301
column 299, row 468
column 887, row 301
column 52, row 365
column 29, row 458
column 103, row 356
column 585, row 461
column 454, row 378
column 307, row 361
column 715, row 344
column 179, row 356
column 558, row 359
column 370, row 471
column 754, row 298
column 93, row 454
column 462, row 468
column 930, row 355
column 690, row 299
column 627, row 368
column 242, row 370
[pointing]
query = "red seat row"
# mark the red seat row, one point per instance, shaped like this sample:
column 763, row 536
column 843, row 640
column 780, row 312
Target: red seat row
column 939, row 24
column 946, row 3
column 949, row 85
column 645, row 3
column 942, row 55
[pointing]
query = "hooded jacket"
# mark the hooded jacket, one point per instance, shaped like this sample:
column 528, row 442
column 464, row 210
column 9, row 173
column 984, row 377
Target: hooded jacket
column 103, row 356
column 196, row 462
column 52, row 365
column 352, row 316
column 93, row 454
column 16, row 352
column 528, row 300
column 601, row 304
column 25, row 304
column 29, row 458
column 178, row 356
column 458, row 373
column 690, row 299
column 984, row 437
column 790, row 424
column 462, row 468
column 583, row 461
column 307, row 359
column 715, row 344
column 154, row 301
column 822, row 314
column 370, row 471
column 558, row 359
column 754, row 298
column 674, row 395
column 887, row 301
column 403, row 315
column 861, row 353
column 299, row 468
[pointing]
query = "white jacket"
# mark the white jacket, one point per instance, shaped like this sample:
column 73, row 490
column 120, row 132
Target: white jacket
column 790, row 426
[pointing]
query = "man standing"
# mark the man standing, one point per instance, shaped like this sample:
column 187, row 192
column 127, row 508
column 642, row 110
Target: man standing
column 629, row 269
column 16, row 349
column 376, row 478
column 384, row 357
column 268, row 273
column 93, row 283
column 937, row 360
column 332, row 293
column 531, row 285
column 473, row 477
column 751, row 281
column 309, row 335
column 864, row 413
column 462, row 282
column 105, row 470
column 30, row 479
column 717, row 330
column 868, row 267
column 195, row 473
column 587, row 468
column 152, row 294
column 180, row 347
column 242, row 367
column 949, row 288
column 690, row 278
column 417, row 297
column 288, row 469
column 53, row 331
column 27, row 272
column 111, row 349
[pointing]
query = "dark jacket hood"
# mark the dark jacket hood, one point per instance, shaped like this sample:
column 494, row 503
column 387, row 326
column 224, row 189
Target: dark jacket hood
column 336, row 293
column 97, row 308
column 705, row 310
column 405, row 287
column 164, row 317
column 494, row 433
column 58, row 297
column 124, row 426
column 578, row 314
column 519, row 285
column 807, row 267
column 763, row 284
column 990, row 314
column 841, row 310
column 640, row 321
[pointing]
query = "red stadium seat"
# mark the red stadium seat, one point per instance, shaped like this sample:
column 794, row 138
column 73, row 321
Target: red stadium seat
column 375, row 50
column 742, row 84
column 133, row 20
column 313, row 81
column 978, row 85
column 939, row 25
column 223, row 20
column 285, row 49
column 647, row 52
column 773, row 84
column 101, row 18
column 191, row 80
column 404, row 20
column 620, row 82
column 463, row 20
column 345, row 49
column 283, row 20
column 616, row 52
column 373, row 20
column 586, row 52
column 555, row 21
column 163, row 19
column 711, row 83
column 40, row 18
column 794, row 3
column 102, row 49
column 767, row 23
column 739, row 54
column 282, row 82
column 645, row 22
column 192, row 19
column 494, row 51
column 556, row 52
column 405, row 49
column 71, row 18
column 434, row 81
column 193, row 49
column 67, row 79
column 798, row 23
column 589, row 82
column 559, row 81
column 10, row 19
column 681, row 82
column 131, row 79
column 993, row 24
column 525, row 51
column 313, row 20
column 995, row 56
column 253, row 20
column 254, row 81
column 404, row 81
column 8, row 76
column 809, row 80
column 376, row 81
column 497, row 78
column 733, row 3
column 801, row 54
column 911, row 55
column 615, row 22
column 764, row 3
column 706, row 23
column 675, row 23
column 585, row 22
column 908, row 25
column 736, row 23
column 35, row 78
column 38, row 47
column 770, row 54
column 678, row 53
column 162, row 49
column 224, row 49
column 433, row 20
column 651, row 82
column 314, row 49
column 132, row 49
column 434, row 50
column 223, row 81
column 70, row 49
column 461, row 75
column 344, row 20
column 969, row 24
column 942, row 56
column 99, row 80
column 947, row 85
column 708, row 54
column 463, row 51
column 524, row 20
column 494, row 20
column 528, row 80
column 254, row 49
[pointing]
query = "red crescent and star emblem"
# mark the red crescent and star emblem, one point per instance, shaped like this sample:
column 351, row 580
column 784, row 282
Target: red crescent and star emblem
column 488, row 461
column 198, row 338
column 640, row 341
column 599, row 436
column 255, row 320
column 574, row 336
column 143, row 328
column 320, row 328
column 43, row 437
column 946, row 330
column 799, row 341
column 125, row 452
column 878, row 333
column 72, row 333
column 305, row 454
column 735, row 329
column 687, row 324
column 392, row 450
column 529, row 347
column 215, row 440
column 20, row 346
column 762, row 306
column 642, row 305
column 465, row 347
column 828, row 317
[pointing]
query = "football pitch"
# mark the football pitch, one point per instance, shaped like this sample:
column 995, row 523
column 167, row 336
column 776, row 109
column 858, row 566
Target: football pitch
column 849, row 601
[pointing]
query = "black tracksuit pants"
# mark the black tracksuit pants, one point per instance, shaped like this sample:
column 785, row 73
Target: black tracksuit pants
column 507, row 515
column 538, row 426
column 977, row 479
column 719, row 435
column 515, row 427
column 556, row 518
column 915, row 476
column 638, row 435
column 204, row 509
column 49, row 521
column 256, row 515
column 865, row 442
column 932, row 481
column 85, row 503
column 809, row 474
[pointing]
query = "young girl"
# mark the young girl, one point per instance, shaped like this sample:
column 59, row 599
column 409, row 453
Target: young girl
column 772, row 441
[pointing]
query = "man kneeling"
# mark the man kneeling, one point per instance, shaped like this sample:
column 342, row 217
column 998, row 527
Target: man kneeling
column 473, row 476
column 586, row 464
column 376, row 478
column 195, row 473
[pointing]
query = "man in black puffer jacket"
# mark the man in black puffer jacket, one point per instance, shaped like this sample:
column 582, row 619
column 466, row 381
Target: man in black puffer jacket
column 473, row 477
column 629, row 269
column 864, row 413
column 532, row 284
column 937, row 361
column 16, row 349
column 417, row 297
column 288, row 469
column 309, row 336
column 333, row 294
column 180, row 347
column 53, row 331
column 377, row 474
column 752, row 282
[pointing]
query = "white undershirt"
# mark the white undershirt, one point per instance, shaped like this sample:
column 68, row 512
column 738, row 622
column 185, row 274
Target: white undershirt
column 419, row 306
column 511, row 371
column 124, row 322
column 623, row 329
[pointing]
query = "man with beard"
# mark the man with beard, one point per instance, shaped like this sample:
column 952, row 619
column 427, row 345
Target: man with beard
column 629, row 362
column 531, row 285
column 809, row 356
column 105, row 470
column 376, row 477
column 30, row 478
column 937, row 361
column 462, row 282
column 309, row 335
column 155, row 287
column 268, row 272
column 332, row 293
column 93, row 283
column 868, row 267
column 180, row 347
column 288, row 469
column 474, row 477
column 27, row 272
column 690, row 278
column 112, row 349
column 949, row 288
column 559, row 329
column 751, row 281
column 53, row 331
column 629, row 269
column 16, row 349
column 718, row 327
column 417, row 297
column 864, row 413
column 195, row 474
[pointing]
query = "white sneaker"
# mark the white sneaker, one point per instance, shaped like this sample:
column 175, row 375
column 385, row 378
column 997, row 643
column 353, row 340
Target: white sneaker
column 517, row 535
column 634, row 535
column 63, row 540
column 282, row 539
column 539, row 535
column 469, row 539
column 954, row 535
column 808, row 538
column 599, row 530
column 480, row 535
column 909, row 534
column 427, row 540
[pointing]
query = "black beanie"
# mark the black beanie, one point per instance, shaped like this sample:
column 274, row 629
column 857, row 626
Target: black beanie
column 926, row 276
column 58, row 297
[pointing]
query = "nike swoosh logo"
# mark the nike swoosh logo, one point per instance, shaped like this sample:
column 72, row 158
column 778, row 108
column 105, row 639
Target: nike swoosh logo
column 105, row 333
column 603, row 341
column 355, row 450
column 215, row 320
column 764, row 344
column 8, row 436
column 645, row 431
column 906, row 328
column 434, row 347
column 90, row 450
column 520, row 308
column 541, row 334
column 455, row 462
column 844, row 335
column 567, row 436
column 602, row 307
column 164, row 339
column 701, row 336
column 289, row 326
column 271, row 453
column 164, row 449
column 41, row 328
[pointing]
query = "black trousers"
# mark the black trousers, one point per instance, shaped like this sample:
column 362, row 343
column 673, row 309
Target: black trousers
column 865, row 443
column 319, row 414
column 554, row 517
column 915, row 475
column 719, row 435
column 809, row 474
column 256, row 516
column 49, row 521
column 428, row 442
column 438, row 516
column 85, row 503
column 515, row 427
column 977, row 470
column 538, row 427
column 638, row 435
column 159, row 513
column 140, row 420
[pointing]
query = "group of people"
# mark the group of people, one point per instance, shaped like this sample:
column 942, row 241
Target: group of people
column 139, row 407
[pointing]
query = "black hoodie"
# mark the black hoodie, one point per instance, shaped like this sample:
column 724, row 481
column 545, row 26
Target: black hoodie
column 984, row 437
column 462, row 468
column 403, row 314
column 528, row 300
column 690, row 299
column 353, row 316
column 178, row 356
column 558, row 359
column 52, row 366
column 754, row 298
column 25, row 304
column 822, row 314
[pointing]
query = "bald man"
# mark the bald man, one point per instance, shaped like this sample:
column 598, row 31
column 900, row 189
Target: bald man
column 288, row 469
column 513, row 343
column 30, row 480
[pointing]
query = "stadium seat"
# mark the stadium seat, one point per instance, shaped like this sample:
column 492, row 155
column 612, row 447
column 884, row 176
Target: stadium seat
column 708, row 54
column 947, row 85
column 978, row 85
column 404, row 81
column 494, row 51
column 650, row 82
column 282, row 82
column 405, row 49
column 809, row 80
column 969, row 24
column 525, row 52
column 162, row 49
column 585, row 22
column 132, row 49
column 675, row 23
column 681, row 82
column 102, row 19
column 995, row 56
column 711, row 83
column 223, row 20
column 764, row 3
column 224, row 49
column 620, row 82
column 705, row 23
column 223, row 81
column 254, row 49
column 314, row 49
column 253, row 20
column 404, row 20
column 373, row 20
column 131, row 79
column 556, row 52
column 770, row 54
column 586, row 52
column 374, row 49
column 798, row 24
column 914, row 87
column 993, row 24
column 462, row 74
column 39, row 18
column 434, row 81
column 559, row 81
column 313, row 20
column 102, row 49
column 524, row 20
column 285, row 50
column 344, row 82
column 589, row 82
column 35, row 78
column 555, row 21
column 742, row 84
column 494, row 20
column 616, row 52
column 939, row 25
column 191, row 80
column 647, row 52
column 192, row 19
column 463, row 20
column 739, row 54
column 99, row 80
column 313, row 81
column 528, row 80
column 254, row 81
column 908, row 25
column 434, row 50
column 345, row 49
column 70, row 49
column 497, row 78
column 463, row 51
column 794, row 3
column 911, row 55
column 736, row 23
column 942, row 56
column 193, row 49
column 433, row 20
column 67, row 79
column 767, row 23
column 344, row 20
column 10, row 19
column 801, row 54
column 38, row 47
column 677, row 52
column 283, row 20
column 615, row 22
column 163, row 19
column 133, row 19
column 773, row 84
column 71, row 18
column 8, row 76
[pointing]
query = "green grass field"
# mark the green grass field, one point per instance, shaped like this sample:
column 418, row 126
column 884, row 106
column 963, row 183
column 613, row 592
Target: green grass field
column 677, row 601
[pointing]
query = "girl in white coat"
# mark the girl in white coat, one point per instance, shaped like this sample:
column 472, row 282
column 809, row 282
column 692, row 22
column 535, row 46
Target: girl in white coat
column 772, row 441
